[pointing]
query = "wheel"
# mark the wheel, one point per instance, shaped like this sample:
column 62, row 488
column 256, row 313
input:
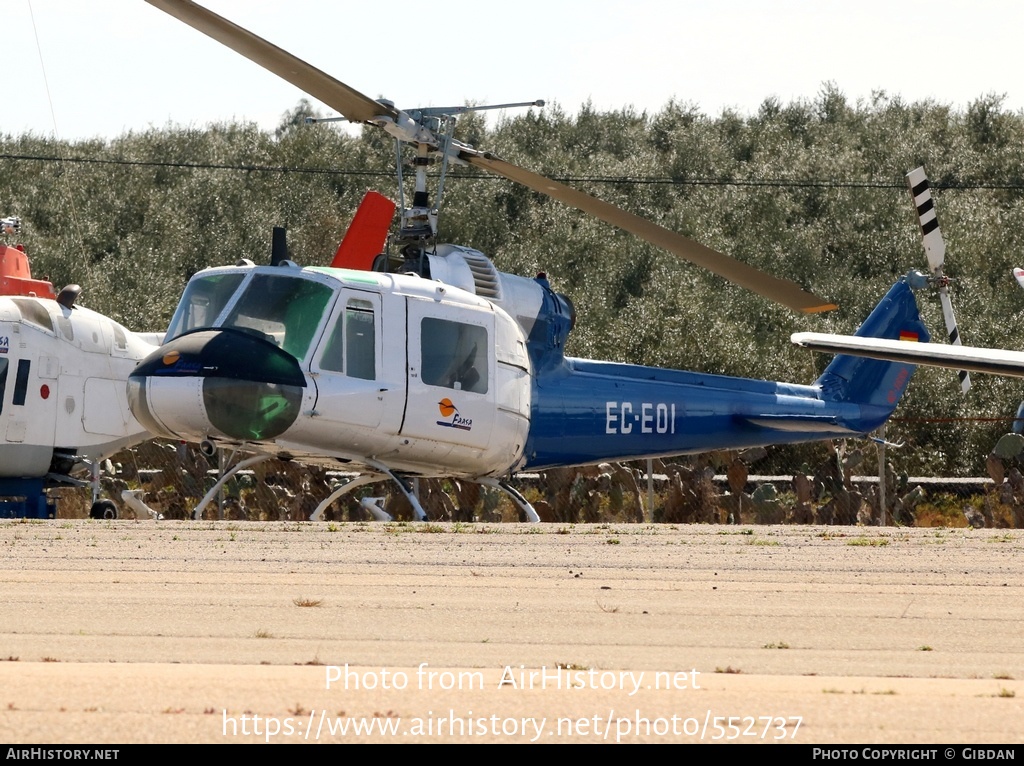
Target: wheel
column 103, row 509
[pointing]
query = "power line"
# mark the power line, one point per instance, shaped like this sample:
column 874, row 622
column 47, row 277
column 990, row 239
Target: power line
column 776, row 183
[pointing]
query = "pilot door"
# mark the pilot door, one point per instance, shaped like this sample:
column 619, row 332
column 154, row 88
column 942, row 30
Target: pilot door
column 347, row 365
column 451, row 389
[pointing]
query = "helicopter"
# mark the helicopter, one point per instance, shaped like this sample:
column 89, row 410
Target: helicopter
column 63, row 404
column 425, row 360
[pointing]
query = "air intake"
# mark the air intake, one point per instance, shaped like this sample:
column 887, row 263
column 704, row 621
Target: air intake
column 485, row 276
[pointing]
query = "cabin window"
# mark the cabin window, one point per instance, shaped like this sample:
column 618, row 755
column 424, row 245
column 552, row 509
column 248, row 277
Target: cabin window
column 32, row 311
column 21, row 382
column 120, row 339
column 3, row 381
column 283, row 310
column 454, row 355
column 353, row 340
column 360, row 343
column 203, row 301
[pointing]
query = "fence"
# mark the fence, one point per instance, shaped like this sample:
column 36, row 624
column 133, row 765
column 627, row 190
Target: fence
column 716, row 488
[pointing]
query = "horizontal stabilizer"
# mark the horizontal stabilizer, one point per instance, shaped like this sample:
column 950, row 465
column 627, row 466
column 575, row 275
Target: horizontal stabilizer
column 821, row 423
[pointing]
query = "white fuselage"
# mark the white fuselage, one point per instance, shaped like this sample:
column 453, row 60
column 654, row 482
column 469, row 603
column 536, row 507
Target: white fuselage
column 388, row 370
column 62, row 385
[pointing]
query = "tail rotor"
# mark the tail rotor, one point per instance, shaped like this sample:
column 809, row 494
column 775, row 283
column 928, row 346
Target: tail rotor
column 935, row 250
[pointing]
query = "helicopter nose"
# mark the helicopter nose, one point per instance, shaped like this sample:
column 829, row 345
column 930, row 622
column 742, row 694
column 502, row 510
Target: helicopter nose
column 225, row 382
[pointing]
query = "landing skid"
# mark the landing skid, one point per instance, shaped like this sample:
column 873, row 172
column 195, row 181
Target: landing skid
column 383, row 473
column 208, row 497
column 521, row 502
column 370, row 478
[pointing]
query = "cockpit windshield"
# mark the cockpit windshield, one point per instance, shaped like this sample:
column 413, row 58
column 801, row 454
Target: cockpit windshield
column 282, row 309
column 203, row 301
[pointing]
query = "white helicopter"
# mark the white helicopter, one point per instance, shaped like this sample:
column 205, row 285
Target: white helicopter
column 955, row 356
column 63, row 404
column 426, row 361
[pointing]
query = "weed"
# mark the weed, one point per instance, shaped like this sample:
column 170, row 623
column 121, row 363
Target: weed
column 308, row 601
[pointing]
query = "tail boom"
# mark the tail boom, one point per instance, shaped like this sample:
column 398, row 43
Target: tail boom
column 590, row 411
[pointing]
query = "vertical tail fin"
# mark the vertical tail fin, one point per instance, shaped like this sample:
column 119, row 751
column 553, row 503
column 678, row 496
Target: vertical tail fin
column 875, row 384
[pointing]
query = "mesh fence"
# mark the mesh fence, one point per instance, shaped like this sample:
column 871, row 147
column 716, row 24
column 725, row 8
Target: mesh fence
column 839, row 485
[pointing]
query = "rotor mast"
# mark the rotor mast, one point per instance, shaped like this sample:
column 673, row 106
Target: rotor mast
column 430, row 131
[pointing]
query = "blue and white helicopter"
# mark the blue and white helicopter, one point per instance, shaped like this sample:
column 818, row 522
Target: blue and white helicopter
column 427, row 361
column 63, row 404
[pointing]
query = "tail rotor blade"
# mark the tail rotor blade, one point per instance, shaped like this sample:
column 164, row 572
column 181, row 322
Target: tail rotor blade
column 954, row 334
column 935, row 251
column 934, row 245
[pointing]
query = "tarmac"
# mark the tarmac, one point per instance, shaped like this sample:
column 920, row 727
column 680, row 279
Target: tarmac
column 122, row 632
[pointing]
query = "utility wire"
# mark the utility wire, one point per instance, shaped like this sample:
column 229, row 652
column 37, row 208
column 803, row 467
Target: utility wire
column 627, row 180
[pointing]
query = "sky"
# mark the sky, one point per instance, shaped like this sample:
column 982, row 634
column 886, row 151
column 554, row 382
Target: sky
column 75, row 69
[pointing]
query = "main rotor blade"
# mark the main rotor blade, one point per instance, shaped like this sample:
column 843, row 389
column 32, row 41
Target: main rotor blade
column 779, row 290
column 993, row 361
column 352, row 104
column 357, row 107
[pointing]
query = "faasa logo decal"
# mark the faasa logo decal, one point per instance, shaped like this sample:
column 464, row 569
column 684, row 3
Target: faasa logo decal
column 449, row 410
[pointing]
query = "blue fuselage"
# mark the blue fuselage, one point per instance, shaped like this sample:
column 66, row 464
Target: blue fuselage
column 598, row 411
column 590, row 411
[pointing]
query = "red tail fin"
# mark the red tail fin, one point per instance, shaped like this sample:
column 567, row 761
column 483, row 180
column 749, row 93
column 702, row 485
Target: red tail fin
column 366, row 234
